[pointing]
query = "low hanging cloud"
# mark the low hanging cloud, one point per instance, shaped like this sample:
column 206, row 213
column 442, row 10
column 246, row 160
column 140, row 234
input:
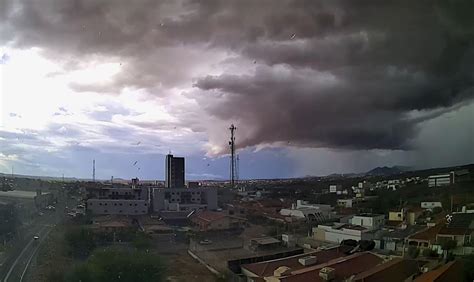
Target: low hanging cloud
column 335, row 74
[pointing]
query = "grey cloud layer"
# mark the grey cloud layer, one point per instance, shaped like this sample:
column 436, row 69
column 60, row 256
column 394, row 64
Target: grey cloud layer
column 339, row 74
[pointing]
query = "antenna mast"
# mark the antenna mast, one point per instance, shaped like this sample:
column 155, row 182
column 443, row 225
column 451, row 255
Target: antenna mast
column 232, row 129
column 93, row 170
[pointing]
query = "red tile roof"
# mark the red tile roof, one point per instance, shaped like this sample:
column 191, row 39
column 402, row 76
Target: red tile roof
column 344, row 267
column 454, row 231
column 427, row 234
column 395, row 270
column 450, row 272
column 266, row 268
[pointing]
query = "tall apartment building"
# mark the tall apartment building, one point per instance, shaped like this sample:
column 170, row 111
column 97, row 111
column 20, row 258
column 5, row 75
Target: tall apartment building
column 174, row 172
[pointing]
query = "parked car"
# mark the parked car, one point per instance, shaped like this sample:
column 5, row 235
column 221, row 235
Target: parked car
column 205, row 242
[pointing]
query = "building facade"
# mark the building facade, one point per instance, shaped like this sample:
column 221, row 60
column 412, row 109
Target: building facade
column 441, row 180
column 121, row 201
column 369, row 221
column 184, row 199
column 174, row 172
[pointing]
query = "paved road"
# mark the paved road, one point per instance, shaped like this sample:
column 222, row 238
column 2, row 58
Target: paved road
column 25, row 248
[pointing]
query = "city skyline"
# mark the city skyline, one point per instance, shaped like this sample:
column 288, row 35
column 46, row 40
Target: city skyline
column 341, row 90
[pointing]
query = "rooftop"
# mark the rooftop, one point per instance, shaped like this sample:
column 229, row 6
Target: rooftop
column 266, row 268
column 427, row 234
column 369, row 215
column 403, row 233
column 20, row 194
column 344, row 267
column 395, row 270
column 454, row 231
column 265, row 240
column 452, row 271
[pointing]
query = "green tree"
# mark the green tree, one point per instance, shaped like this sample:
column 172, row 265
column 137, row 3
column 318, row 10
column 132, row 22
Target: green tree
column 81, row 242
column 141, row 241
column 119, row 265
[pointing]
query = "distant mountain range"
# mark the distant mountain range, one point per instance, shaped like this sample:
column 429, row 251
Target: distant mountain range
column 385, row 170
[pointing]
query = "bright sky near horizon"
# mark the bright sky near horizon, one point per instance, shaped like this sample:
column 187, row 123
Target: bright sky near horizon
column 314, row 87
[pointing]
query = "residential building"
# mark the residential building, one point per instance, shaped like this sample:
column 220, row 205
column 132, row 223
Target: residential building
column 119, row 201
column 425, row 238
column 174, row 172
column 334, row 188
column 412, row 214
column 209, row 220
column 394, row 240
column 184, row 199
column 337, row 232
column 408, row 216
column 369, row 221
column 309, row 212
column 459, row 229
column 396, row 215
column 440, row 180
column 431, row 205
column 345, row 203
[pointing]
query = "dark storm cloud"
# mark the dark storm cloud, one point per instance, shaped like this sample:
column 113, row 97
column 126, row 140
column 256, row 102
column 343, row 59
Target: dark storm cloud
column 339, row 74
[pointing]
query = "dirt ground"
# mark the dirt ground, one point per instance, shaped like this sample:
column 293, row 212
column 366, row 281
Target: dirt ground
column 182, row 267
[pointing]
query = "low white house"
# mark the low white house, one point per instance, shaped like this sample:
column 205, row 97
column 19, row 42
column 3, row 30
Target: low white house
column 369, row 221
column 311, row 212
column 338, row 232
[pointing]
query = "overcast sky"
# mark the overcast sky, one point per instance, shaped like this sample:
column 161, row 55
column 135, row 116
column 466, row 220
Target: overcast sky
column 314, row 87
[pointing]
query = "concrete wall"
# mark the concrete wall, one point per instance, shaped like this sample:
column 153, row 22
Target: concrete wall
column 395, row 216
column 369, row 222
column 319, row 234
column 337, row 235
column 125, row 207
column 164, row 197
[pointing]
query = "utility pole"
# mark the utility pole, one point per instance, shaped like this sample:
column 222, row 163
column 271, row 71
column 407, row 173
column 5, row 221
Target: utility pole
column 93, row 170
column 232, row 129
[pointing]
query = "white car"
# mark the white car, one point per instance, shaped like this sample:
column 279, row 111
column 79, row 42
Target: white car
column 36, row 237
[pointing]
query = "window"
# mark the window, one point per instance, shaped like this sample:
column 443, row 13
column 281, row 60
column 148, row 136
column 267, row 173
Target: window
column 120, row 211
column 100, row 204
